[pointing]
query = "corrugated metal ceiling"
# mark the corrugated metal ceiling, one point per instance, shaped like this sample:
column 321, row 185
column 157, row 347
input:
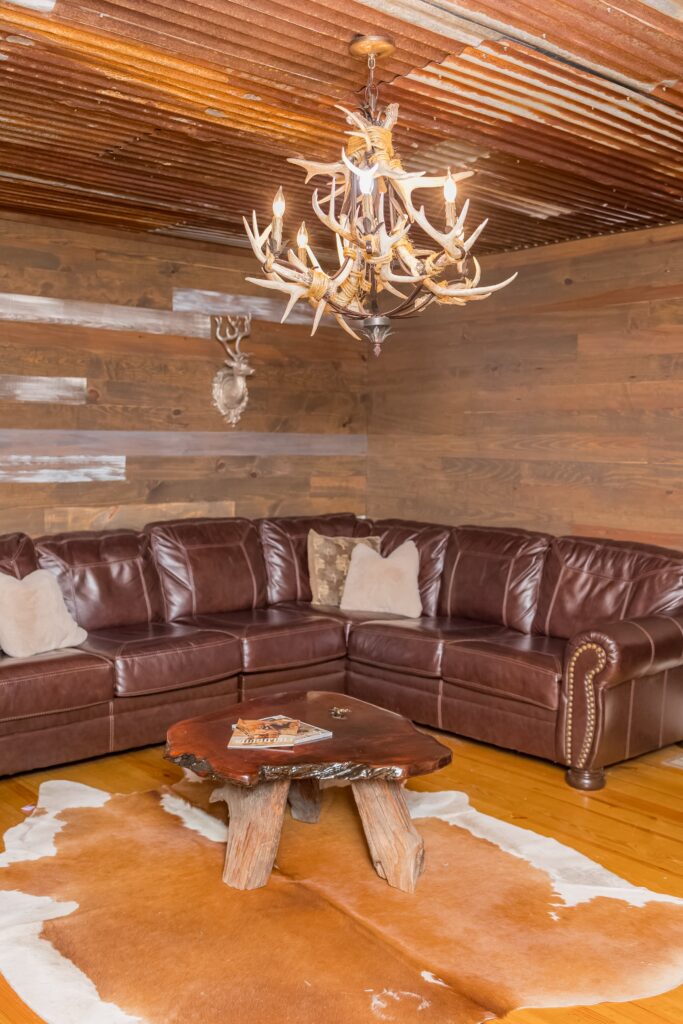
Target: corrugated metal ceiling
column 177, row 115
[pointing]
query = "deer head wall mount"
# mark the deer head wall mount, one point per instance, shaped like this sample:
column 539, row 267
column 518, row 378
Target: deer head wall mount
column 229, row 389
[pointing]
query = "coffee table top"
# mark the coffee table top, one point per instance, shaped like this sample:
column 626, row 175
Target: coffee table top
column 368, row 743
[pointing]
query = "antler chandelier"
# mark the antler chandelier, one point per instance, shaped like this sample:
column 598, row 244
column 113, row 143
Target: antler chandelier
column 368, row 205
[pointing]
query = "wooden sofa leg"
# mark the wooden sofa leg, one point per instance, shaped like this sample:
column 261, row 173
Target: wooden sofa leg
column 586, row 778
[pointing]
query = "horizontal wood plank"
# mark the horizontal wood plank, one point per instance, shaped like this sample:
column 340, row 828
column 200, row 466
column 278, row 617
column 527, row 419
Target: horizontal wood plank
column 107, row 517
column 103, row 316
column 65, row 469
column 195, row 300
column 64, row 390
column 176, row 443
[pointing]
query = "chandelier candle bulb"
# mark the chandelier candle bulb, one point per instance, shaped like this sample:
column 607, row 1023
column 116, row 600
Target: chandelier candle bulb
column 302, row 241
column 384, row 274
column 450, row 191
column 278, row 214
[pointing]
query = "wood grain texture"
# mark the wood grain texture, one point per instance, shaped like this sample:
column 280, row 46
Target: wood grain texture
column 305, row 800
column 40, row 310
column 555, row 405
column 256, row 818
column 95, row 306
column 396, row 848
column 177, row 444
column 195, row 300
column 109, row 517
column 65, row 390
column 64, row 469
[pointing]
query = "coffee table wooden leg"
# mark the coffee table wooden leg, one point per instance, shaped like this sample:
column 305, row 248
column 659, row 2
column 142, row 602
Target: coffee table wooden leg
column 256, row 816
column 396, row 848
column 304, row 800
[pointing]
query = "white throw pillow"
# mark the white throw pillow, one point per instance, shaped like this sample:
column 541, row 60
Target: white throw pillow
column 376, row 584
column 33, row 616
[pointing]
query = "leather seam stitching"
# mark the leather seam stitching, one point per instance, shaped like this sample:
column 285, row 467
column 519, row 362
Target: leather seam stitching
column 186, row 685
column 52, row 675
column 157, row 654
column 292, row 664
column 557, row 671
column 54, row 711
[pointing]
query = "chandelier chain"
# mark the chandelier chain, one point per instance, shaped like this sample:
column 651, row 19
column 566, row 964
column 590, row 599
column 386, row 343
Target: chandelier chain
column 371, row 90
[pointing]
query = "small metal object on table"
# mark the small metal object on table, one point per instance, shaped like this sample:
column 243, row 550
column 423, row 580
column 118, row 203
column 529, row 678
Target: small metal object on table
column 374, row 749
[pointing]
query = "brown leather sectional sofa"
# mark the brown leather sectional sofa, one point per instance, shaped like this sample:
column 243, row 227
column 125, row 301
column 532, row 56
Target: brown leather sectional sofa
column 566, row 648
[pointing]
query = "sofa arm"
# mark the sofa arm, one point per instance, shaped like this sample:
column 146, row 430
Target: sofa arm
column 633, row 648
column 620, row 696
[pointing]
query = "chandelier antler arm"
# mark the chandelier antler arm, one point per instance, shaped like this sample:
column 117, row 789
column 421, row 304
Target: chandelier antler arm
column 314, row 168
column 450, row 241
column 345, row 327
column 406, row 184
column 469, row 242
column 294, row 290
column 329, row 221
column 421, row 303
column 442, row 290
column 256, row 238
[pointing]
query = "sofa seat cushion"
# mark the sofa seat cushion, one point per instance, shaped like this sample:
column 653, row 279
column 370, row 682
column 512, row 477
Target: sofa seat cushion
column 412, row 645
column 347, row 618
column 55, row 681
column 155, row 657
column 511, row 664
column 273, row 638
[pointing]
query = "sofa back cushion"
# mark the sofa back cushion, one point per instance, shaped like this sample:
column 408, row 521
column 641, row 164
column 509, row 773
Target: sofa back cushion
column 588, row 581
column 208, row 566
column 285, row 548
column 107, row 577
column 17, row 555
column 431, row 541
column 493, row 574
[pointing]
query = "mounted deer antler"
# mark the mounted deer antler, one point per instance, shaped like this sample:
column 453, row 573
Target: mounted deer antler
column 229, row 389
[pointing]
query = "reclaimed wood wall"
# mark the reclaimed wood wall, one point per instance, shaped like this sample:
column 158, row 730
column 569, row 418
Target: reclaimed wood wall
column 556, row 404
column 106, row 364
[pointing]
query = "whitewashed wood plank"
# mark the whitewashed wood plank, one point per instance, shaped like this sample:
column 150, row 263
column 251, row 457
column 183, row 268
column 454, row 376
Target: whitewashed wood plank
column 65, row 390
column 134, row 516
column 177, row 443
column 44, row 6
column 194, row 300
column 102, row 315
column 61, row 469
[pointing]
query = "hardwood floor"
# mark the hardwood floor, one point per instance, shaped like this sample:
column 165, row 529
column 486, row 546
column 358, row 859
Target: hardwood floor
column 633, row 827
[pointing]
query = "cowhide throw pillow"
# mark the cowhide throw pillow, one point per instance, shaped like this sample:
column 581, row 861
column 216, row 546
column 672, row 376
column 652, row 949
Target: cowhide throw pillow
column 33, row 616
column 376, row 584
column 328, row 563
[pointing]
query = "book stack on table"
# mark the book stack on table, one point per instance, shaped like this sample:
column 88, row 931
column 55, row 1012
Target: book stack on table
column 275, row 731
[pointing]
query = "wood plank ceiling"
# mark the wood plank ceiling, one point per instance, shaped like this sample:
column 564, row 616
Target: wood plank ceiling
column 176, row 116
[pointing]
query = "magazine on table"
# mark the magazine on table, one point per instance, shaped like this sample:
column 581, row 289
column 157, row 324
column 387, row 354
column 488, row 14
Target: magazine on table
column 275, row 731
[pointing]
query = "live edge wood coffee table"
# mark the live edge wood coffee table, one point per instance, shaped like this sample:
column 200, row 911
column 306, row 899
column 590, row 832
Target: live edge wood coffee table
column 375, row 750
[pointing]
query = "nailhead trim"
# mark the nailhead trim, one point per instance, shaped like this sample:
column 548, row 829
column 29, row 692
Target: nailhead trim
column 590, row 700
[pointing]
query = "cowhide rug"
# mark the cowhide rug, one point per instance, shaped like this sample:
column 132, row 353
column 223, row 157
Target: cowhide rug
column 112, row 911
